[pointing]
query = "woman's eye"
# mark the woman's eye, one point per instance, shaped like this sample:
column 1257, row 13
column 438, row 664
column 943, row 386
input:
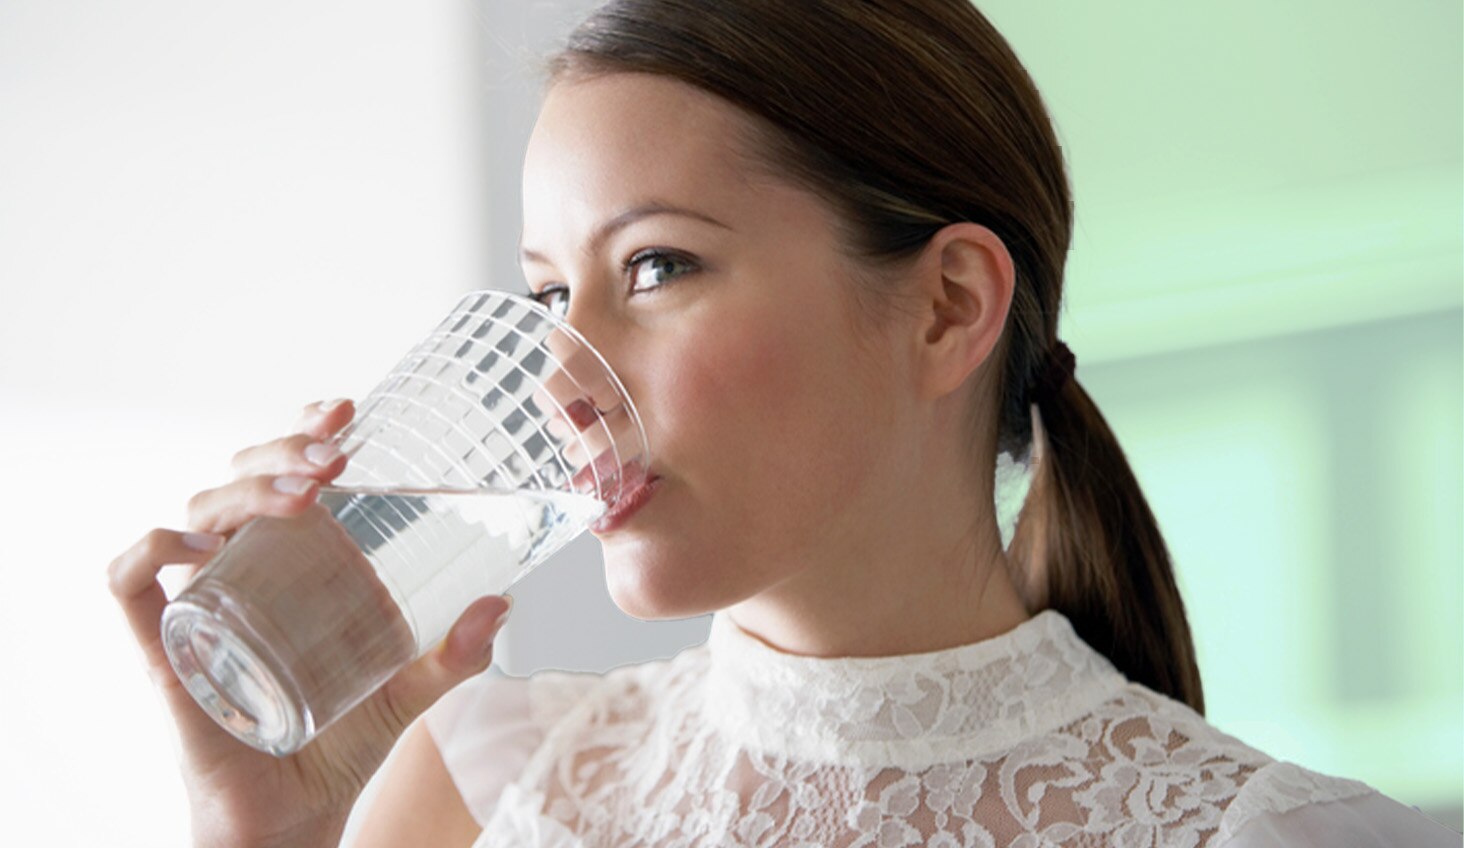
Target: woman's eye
column 649, row 269
column 654, row 268
column 558, row 306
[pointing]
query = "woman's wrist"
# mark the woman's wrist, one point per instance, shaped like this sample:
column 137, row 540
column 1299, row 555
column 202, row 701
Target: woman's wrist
column 321, row 832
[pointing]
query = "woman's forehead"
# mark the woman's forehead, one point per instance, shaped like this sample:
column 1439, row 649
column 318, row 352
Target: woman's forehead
column 637, row 135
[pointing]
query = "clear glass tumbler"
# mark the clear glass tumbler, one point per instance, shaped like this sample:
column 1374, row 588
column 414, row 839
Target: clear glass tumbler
column 493, row 443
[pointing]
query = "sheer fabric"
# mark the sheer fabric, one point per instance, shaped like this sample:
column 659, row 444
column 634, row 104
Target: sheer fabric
column 1031, row 738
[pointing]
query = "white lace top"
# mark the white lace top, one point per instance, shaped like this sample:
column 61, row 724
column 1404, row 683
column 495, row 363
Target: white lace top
column 1031, row 738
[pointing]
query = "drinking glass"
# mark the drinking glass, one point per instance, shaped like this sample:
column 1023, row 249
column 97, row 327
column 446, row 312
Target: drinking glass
column 498, row 439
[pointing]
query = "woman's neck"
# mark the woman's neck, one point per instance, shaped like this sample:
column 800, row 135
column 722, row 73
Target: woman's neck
column 929, row 574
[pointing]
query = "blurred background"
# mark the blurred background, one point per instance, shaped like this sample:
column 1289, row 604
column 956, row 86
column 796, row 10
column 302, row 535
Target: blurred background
column 213, row 214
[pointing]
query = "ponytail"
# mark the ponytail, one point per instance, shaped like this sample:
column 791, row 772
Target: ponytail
column 1087, row 545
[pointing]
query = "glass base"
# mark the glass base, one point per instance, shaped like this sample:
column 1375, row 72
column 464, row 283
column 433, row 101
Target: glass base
column 231, row 680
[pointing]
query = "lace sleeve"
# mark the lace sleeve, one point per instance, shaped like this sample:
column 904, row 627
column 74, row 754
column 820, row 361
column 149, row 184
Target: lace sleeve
column 488, row 727
column 1286, row 806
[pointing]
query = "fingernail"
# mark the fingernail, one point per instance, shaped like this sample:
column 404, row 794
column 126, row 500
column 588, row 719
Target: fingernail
column 503, row 619
column 291, row 485
column 487, row 646
column 322, row 454
column 203, row 541
column 330, row 407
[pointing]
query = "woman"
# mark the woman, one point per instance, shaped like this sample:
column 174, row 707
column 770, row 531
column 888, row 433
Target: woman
column 823, row 245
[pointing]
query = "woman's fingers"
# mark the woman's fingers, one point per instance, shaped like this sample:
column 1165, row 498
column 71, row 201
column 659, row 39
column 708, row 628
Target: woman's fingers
column 323, row 418
column 307, row 450
column 466, row 650
column 133, row 579
column 468, row 647
column 354, row 747
column 302, row 453
column 230, row 506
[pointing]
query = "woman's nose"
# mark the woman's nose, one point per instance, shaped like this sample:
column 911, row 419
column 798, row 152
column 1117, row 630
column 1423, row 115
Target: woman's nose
column 588, row 412
column 580, row 376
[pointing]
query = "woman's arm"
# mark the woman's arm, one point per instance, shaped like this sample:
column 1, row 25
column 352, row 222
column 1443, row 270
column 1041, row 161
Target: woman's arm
column 418, row 803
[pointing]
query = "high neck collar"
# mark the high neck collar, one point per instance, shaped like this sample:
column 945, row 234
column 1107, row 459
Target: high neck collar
column 908, row 711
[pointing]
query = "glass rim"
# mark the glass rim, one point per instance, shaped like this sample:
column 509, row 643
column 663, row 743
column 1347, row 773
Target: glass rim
column 569, row 329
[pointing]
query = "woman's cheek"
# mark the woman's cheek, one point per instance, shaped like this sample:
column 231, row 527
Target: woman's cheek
column 761, row 373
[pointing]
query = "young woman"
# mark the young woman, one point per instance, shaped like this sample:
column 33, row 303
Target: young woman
column 823, row 244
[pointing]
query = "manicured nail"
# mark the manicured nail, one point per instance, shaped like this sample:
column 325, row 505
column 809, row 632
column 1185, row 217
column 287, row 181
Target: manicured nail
column 291, row 485
column 487, row 646
column 503, row 619
column 322, row 454
column 203, row 541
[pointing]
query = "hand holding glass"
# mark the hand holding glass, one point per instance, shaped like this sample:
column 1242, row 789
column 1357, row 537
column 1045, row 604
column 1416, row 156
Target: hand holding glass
column 491, row 445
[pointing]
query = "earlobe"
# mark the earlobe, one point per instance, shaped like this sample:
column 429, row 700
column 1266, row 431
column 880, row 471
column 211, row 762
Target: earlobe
column 969, row 288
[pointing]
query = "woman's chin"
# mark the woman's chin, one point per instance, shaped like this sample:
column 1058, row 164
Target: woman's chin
column 653, row 588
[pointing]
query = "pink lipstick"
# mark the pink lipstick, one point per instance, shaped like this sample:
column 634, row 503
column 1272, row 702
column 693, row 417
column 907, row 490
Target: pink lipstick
column 626, row 507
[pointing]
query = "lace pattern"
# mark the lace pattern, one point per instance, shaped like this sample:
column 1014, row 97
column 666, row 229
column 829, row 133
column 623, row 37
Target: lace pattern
column 907, row 712
column 1028, row 739
column 1282, row 787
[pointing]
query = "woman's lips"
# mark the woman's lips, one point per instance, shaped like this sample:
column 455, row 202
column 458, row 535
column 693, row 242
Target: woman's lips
column 606, row 478
column 629, row 486
column 626, row 507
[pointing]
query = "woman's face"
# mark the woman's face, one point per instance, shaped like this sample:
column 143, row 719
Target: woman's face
column 731, row 324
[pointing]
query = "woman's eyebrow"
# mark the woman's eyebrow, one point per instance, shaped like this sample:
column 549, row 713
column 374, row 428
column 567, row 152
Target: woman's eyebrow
column 624, row 219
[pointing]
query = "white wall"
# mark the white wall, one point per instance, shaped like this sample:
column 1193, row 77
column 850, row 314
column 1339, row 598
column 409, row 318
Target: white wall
column 210, row 215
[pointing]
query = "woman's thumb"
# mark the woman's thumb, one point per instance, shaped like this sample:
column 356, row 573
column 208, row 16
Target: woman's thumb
column 468, row 647
column 467, row 650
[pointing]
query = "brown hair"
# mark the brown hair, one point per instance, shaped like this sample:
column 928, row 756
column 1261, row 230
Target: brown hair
column 906, row 116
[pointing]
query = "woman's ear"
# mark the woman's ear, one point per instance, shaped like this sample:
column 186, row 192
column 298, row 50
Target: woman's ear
column 965, row 279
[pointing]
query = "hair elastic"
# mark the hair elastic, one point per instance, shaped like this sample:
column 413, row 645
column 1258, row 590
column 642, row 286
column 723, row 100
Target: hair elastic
column 1056, row 371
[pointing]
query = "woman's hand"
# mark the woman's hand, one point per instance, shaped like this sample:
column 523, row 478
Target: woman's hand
column 240, row 796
